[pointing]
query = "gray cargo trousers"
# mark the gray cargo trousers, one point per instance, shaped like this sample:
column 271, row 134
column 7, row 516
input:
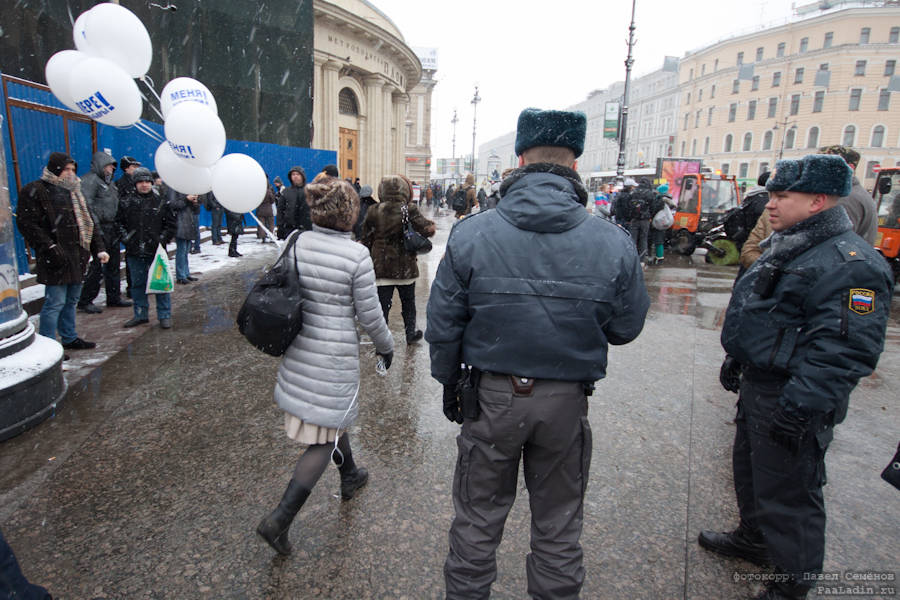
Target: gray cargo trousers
column 549, row 429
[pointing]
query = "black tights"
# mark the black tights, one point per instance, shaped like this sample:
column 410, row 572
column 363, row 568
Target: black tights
column 314, row 459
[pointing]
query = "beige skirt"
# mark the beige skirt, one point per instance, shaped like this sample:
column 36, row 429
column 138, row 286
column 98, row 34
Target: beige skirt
column 307, row 433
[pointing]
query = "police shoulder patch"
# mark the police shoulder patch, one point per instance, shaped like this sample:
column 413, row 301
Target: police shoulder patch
column 862, row 301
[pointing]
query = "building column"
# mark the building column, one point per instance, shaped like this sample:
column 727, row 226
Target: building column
column 330, row 138
column 318, row 96
column 401, row 103
column 362, row 146
column 388, row 166
column 374, row 130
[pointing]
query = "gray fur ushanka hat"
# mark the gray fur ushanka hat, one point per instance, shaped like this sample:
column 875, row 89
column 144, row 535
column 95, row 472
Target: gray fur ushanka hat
column 550, row 128
column 813, row 174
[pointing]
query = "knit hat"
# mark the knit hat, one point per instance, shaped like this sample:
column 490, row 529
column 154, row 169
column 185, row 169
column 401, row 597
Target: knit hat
column 850, row 155
column 127, row 161
column 813, row 174
column 663, row 189
column 58, row 161
column 550, row 128
column 365, row 191
column 142, row 174
column 333, row 203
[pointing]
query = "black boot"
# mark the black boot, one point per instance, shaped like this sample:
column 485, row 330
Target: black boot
column 744, row 542
column 274, row 528
column 352, row 481
column 784, row 590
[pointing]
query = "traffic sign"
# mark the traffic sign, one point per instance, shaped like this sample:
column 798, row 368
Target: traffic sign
column 876, row 168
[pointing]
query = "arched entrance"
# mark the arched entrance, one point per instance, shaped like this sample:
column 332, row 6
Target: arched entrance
column 348, row 120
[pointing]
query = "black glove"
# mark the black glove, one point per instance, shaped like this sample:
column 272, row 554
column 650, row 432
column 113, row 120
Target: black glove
column 730, row 374
column 53, row 257
column 387, row 358
column 452, row 409
column 789, row 426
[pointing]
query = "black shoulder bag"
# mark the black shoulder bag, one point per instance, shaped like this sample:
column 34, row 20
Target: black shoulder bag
column 272, row 315
column 413, row 241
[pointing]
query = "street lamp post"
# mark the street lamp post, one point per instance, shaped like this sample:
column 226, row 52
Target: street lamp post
column 454, row 121
column 475, row 100
column 784, row 126
column 623, row 122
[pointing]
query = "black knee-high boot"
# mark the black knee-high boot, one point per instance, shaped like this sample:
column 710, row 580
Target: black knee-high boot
column 352, row 477
column 274, row 528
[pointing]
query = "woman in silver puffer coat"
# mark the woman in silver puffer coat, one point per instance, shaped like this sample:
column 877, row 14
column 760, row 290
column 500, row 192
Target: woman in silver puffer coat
column 318, row 380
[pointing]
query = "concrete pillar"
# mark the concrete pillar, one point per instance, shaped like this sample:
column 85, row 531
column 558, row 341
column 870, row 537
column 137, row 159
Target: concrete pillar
column 318, row 96
column 388, row 167
column 330, row 137
column 401, row 104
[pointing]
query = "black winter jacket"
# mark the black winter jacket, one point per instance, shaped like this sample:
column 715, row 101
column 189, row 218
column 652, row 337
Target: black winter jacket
column 293, row 211
column 145, row 221
column 536, row 287
column 822, row 323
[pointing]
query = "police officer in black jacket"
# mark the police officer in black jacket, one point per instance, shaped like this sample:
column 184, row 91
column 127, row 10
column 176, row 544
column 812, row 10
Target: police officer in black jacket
column 518, row 300
column 805, row 323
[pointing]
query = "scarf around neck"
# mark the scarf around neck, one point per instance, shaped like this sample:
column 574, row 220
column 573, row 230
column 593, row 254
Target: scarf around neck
column 79, row 206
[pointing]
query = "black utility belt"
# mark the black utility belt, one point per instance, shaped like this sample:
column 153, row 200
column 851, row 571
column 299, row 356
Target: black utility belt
column 525, row 385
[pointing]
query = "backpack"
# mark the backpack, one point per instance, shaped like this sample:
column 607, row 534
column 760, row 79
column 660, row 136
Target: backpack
column 459, row 203
column 640, row 208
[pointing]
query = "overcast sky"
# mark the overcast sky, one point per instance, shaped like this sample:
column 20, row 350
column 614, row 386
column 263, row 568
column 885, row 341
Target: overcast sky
column 553, row 55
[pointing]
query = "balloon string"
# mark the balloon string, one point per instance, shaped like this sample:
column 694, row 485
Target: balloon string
column 149, row 83
column 268, row 233
column 148, row 132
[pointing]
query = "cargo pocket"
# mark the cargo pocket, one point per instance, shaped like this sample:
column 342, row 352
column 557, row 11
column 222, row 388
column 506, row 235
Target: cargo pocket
column 465, row 447
column 587, row 440
column 823, row 438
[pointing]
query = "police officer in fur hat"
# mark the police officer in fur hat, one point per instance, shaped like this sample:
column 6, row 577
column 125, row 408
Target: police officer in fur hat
column 805, row 323
column 524, row 393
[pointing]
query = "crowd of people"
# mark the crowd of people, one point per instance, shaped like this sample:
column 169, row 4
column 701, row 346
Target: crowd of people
column 517, row 381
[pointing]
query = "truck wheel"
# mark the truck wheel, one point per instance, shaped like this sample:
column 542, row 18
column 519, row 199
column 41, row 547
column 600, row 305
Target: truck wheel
column 731, row 253
column 683, row 242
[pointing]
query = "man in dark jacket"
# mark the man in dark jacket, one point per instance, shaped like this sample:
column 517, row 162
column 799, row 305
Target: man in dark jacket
column 532, row 367
column 859, row 204
column 640, row 211
column 125, row 183
column 102, row 199
column 805, row 322
column 56, row 223
column 293, row 211
column 186, row 208
column 622, row 204
column 145, row 221
column 366, row 201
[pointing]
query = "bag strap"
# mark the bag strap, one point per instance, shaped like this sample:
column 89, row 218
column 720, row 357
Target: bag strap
column 404, row 212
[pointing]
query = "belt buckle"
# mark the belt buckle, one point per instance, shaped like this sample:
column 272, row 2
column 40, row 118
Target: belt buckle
column 522, row 386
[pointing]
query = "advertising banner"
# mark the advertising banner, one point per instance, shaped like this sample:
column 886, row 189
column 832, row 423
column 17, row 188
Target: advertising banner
column 611, row 121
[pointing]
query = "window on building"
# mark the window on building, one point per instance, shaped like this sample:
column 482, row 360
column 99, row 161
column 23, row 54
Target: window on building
column 703, row 69
column 884, row 100
column 706, row 146
column 855, row 95
column 812, row 141
column 748, row 142
column 751, row 110
column 889, row 66
column 779, row 52
column 700, row 95
column 804, row 44
column 716, row 65
column 759, row 54
column 773, row 108
column 697, row 119
column 795, row 104
column 727, row 146
column 740, row 58
column 767, row 141
column 687, row 99
column 725, row 167
column 818, row 101
column 763, row 168
column 682, row 148
column 347, row 104
column 743, row 169
column 691, row 74
column 789, row 138
column 877, row 136
column 798, row 75
column 894, row 35
column 735, row 86
column 849, row 136
column 823, row 67
column 694, row 148
column 712, row 92
column 709, row 115
column 870, row 169
column 732, row 112
column 829, row 39
column 776, row 79
column 860, row 68
column 754, row 85
column 864, row 35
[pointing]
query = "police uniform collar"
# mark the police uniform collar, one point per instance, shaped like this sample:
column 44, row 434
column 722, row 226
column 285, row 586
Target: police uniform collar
column 782, row 246
column 565, row 172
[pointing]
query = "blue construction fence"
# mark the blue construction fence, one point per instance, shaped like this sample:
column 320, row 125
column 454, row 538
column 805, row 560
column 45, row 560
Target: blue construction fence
column 38, row 133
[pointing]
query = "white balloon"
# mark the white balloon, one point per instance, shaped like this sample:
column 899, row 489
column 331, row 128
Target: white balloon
column 185, row 89
column 59, row 72
column 114, row 32
column 105, row 93
column 238, row 182
column 179, row 175
column 78, row 33
column 196, row 133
